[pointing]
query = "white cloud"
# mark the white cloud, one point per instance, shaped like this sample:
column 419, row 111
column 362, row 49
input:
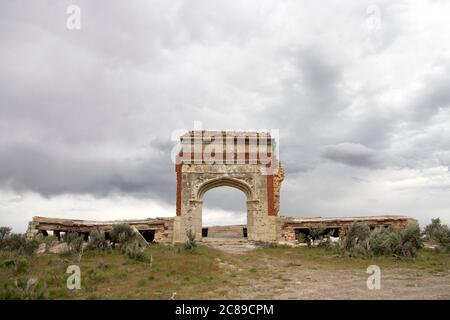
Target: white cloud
column 16, row 210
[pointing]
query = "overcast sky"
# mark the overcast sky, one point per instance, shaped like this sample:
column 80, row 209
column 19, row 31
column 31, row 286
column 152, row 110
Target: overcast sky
column 360, row 94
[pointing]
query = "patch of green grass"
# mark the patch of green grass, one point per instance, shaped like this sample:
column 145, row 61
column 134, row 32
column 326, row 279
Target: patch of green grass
column 92, row 296
column 141, row 282
column 170, row 273
column 123, row 273
column 58, row 293
column 94, row 276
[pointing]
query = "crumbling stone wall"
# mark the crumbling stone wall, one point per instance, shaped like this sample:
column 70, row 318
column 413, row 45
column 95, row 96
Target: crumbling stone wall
column 286, row 228
column 162, row 227
column 278, row 178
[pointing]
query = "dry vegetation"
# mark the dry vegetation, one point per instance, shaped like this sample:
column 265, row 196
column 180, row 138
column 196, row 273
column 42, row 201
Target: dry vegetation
column 268, row 272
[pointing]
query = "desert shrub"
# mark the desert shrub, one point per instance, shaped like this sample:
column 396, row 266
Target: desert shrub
column 137, row 253
column 317, row 233
column 438, row 233
column 191, row 243
column 357, row 234
column 15, row 243
column 18, row 263
column 74, row 242
column 102, row 265
column 381, row 241
column 5, row 232
column 301, row 237
column 326, row 240
column 30, row 289
column 95, row 276
column 122, row 233
column 21, row 265
column 409, row 240
column 30, row 246
column 48, row 240
column 98, row 242
column 19, row 244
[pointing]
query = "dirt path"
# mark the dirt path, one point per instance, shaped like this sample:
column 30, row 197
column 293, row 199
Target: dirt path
column 319, row 284
column 280, row 279
column 233, row 246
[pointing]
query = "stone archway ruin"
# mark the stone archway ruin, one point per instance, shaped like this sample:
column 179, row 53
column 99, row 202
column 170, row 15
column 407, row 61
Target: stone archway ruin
column 208, row 159
column 242, row 160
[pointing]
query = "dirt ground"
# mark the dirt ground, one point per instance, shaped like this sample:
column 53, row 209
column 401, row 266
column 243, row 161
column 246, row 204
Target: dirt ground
column 230, row 269
column 347, row 285
column 294, row 278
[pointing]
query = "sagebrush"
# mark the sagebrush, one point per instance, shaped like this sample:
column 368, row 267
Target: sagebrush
column 399, row 242
column 97, row 241
column 438, row 233
column 191, row 243
column 122, row 233
column 74, row 242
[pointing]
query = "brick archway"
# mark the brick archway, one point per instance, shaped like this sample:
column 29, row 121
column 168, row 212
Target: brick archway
column 203, row 164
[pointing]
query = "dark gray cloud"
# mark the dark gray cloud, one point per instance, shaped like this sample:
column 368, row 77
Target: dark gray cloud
column 434, row 97
column 353, row 154
column 53, row 172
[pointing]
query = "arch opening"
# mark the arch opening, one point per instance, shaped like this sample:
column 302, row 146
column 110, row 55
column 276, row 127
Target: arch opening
column 224, row 213
column 225, row 182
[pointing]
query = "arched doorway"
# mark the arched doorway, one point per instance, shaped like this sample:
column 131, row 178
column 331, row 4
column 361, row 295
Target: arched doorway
column 224, row 214
column 245, row 161
column 257, row 220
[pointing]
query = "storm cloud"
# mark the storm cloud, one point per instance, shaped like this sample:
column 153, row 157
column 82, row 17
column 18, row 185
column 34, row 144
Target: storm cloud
column 360, row 98
column 353, row 154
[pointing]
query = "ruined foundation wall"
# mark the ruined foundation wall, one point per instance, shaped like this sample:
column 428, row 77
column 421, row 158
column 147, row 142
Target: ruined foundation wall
column 286, row 227
column 170, row 230
column 163, row 227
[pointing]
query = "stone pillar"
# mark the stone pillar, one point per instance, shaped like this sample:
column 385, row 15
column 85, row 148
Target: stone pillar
column 192, row 219
column 32, row 230
column 177, row 230
column 251, row 223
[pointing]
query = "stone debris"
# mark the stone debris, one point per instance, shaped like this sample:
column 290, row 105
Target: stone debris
column 31, row 284
column 59, row 248
column 41, row 249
